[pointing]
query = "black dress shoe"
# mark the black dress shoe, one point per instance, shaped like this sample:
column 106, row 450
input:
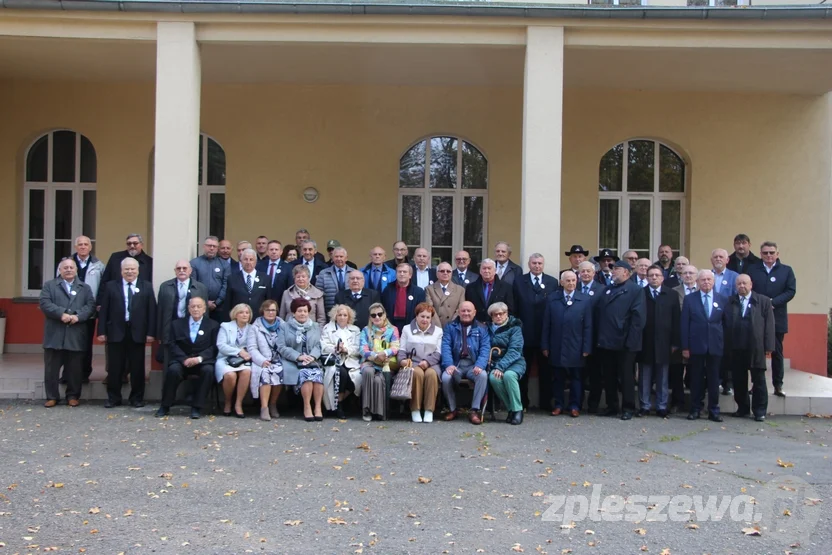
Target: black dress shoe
column 643, row 412
column 779, row 392
column 163, row 411
column 318, row 418
column 195, row 414
column 309, row 418
column 339, row 412
column 592, row 410
column 760, row 418
column 239, row 414
column 715, row 418
column 138, row 404
column 110, row 404
column 611, row 412
column 739, row 414
column 627, row 415
column 661, row 413
column 224, row 413
column 517, row 418
column 510, row 417
column 693, row 415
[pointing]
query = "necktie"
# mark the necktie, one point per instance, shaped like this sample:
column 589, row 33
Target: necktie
column 586, row 290
column 249, row 283
column 355, row 296
column 462, row 277
column 194, row 331
column 306, row 262
column 568, row 299
column 129, row 299
column 502, row 270
column 690, row 290
column 340, row 279
column 536, row 282
column 487, row 291
column 641, row 283
column 183, row 293
column 707, row 305
column 742, row 307
column 271, row 270
column 444, row 289
column 68, row 287
column 376, row 277
column 655, row 294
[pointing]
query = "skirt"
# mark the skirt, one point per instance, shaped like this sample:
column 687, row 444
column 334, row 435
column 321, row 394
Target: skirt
column 272, row 375
column 314, row 375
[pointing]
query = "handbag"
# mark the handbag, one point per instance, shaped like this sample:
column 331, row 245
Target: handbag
column 235, row 361
column 403, row 381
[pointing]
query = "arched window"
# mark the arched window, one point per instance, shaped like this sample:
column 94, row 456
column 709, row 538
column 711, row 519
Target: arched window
column 443, row 198
column 641, row 189
column 59, row 196
column 211, row 216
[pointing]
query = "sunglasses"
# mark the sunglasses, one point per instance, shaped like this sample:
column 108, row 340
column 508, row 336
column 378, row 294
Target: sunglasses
column 133, row 243
column 769, row 253
column 443, row 271
column 376, row 315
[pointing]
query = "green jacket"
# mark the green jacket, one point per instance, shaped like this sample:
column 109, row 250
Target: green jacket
column 509, row 338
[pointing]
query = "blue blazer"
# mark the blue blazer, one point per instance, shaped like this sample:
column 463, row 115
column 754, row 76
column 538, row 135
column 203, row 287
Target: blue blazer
column 388, row 276
column 702, row 335
column 567, row 330
column 728, row 283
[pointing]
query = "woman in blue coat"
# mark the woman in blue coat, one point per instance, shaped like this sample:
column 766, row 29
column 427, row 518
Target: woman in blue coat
column 507, row 367
column 567, row 340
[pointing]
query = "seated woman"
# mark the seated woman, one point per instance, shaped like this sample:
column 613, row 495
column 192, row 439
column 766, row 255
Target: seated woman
column 423, row 340
column 266, row 366
column 300, row 348
column 379, row 344
column 290, row 253
column 231, row 344
column 302, row 289
column 506, row 333
column 339, row 340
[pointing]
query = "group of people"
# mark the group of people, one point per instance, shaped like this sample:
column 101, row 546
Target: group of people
column 399, row 326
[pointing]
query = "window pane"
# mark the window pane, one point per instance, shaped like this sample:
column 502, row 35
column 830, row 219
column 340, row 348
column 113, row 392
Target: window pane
column 63, row 157
column 609, row 175
column 443, row 163
column 36, row 163
column 63, row 249
column 640, row 162
column 473, row 210
column 476, row 257
column 216, row 164
column 63, row 214
column 672, row 224
column 35, row 269
column 441, row 254
column 639, row 235
column 442, row 221
column 474, row 168
column 608, row 225
column 88, row 162
column 37, row 199
column 216, row 221
column 412, row 220
column 88, row 222
column 671, row 172
column 412, row 167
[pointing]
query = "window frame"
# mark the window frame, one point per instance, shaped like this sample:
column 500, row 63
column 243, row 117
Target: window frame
column 426, row 194
column 205, row 190
column 655, row 197
column 50, row 188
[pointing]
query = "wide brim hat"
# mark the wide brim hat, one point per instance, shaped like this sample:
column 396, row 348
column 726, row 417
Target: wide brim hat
column 605, row 253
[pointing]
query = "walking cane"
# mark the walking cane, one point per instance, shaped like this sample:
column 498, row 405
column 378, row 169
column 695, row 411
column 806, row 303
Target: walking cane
column 489, row 390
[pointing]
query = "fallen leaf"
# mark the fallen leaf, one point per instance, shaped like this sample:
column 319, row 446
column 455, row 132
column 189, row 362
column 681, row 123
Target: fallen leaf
column 424, row 480
column 293, row 522
column 128, row 512
column 94, row 511
column 686, row 486
column 488, row 517
column 517, row 547
column 692, row 526
column 336, row 520
column 784, row 464
column 230, row 492
column 709, row 462
column 166, row 475
column 665, row 551
column 363, row 446
column 787, row 512
column 751, row 532
column 537, row 494
column 640, row 531
column 589, row 532
column 567, row 526
column 377, row 477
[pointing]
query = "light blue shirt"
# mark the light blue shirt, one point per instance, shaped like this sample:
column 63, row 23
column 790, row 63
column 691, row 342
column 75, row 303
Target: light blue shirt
column 194, row 328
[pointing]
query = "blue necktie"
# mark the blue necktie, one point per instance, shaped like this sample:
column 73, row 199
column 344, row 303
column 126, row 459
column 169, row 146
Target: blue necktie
column 249, row 283
column 707, row 306
column 376, row 274
column 340, row 279
column 194, row 331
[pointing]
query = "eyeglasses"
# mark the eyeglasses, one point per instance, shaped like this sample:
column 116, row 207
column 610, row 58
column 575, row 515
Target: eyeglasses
column 461, row 259
column 443, row 271
column 133, row 243
column 376, row 315
column 769, row 253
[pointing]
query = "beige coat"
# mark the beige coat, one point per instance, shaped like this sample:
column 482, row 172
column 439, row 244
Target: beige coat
column 315, row 297
column 446, row 306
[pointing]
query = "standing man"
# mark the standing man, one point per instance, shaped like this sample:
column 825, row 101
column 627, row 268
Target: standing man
column 675, row 278
column 678, row 377
column 127, row 322
column 489, row 289
column 241, row 247
column 67, row 304
column 531, row 294
column 174, row 295
column 462, row 275
column 135, row 250
column 660, row 340
column 704, row 321
column 358, row 297
column 261, row 245
column 400, row 300
column 224, row 254
column 423, row 274
column 209, row 270
column 193, row 348
column 777, row 282
column 688, row 285
column 333, row 244
column 576, row 254
column 724, row 284
column 401, row 255
column 275, row 268
column 248, row 285
column 640, row 276
column 752, row 342
column 630, row 257
column 444, row 296
column 90, row 271
column 665, row 261
column 308, row 252
column 620, row 325
column 302, row 236
column 587, row 283
column 333, row 279
column 591, row 372
column 465, row 350
column 606, row 259
column 377, row 274
column 507, row 270
column 742, row 259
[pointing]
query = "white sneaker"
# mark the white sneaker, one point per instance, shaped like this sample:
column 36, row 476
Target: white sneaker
column 416, row 416
column 367, row 417
column 428, row 416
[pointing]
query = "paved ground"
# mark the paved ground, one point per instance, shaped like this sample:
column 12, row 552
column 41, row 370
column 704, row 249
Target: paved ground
column 95, row 481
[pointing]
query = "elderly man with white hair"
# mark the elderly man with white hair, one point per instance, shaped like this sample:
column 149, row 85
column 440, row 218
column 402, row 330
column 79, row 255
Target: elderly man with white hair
column 489, row 289
column 675, row 278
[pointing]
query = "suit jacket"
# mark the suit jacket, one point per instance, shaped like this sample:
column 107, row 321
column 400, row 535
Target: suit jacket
column 742, row 267
column 414, row 296
column 501, row 292
column 661, row 326
column 727, row 286
column 780, row 286
column 620, row 316
column 566, row 330
column 703, row 335
column 599, row 277
column 205, row 345
column 329, row 286
column 388, row 276
column 143, row 320
column 513, row 272
column 761, row 314
column 469, row 275
column 169, row 301
column 113, row 269
column 431, row 275
column 54, row 303
column 446, row 306
column 282, row 278
column 238, row 292
column 682, row 294
column 672, row 282
column 361, row 306
column 319, row 267
column 530, row 304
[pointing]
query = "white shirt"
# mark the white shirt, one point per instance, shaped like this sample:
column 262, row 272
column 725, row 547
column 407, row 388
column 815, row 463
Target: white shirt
column 83, row 261
column 124, row 283
column 690, row 289
column 310, row 265
column 768, row 270
column 253, row 275
column 68, row 285
column 423, row 277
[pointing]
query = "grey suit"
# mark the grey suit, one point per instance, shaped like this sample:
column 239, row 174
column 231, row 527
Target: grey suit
column 64, row 344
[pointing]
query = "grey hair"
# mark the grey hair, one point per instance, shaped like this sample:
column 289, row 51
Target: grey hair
column 535, row 255
column 497, row 307
column 250, row 251
column 488, row 261
column 302, row 230
column 498, row 243
column 713, row 252
column 137, row 236
column 565, row 272
column 586, row 264
column 310, row 242
column 211, row 238
column 342, row 249
column 301, row 268
column 703, row 273
column 243, row 243
column 129, row 259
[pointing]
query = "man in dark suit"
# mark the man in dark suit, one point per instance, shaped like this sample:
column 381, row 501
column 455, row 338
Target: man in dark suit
column 401, row 254
column 401, row 298
column 224, row 254
column 660, row 340
column 358, row 298
column 531, row 293
column 576, row 254
column 506, row 270
column 135, row 250
column 675, row 279
column 592, row 373
column 193, row 349
column 620, row 316
column 248, row 285
column 462, row 274
column 302, row 236
column 308, row 250
column 752, row 342
column 423, row 275
column 489, row 290
column 704, row 321
column 777, row 282
column 67, row 303
column 742, row 258
column 127, row 322
column 605, row 259
column 278, row 270
column 174, row 295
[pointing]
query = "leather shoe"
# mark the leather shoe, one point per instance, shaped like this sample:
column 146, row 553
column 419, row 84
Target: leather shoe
column 739, row 414
column 661, row 413
column 110, row 404
column 50, row 403
column 643, row 412
column 715, row 418
column 727, row 391
column 779, row 392
column 163, row 411
column 195, row 414
column 451, row 415
column 510, row 417
column 138, row 404
column 693, row 415
column 627, row 415
column 611, row 412
column 518, row 418
column 574, row 413
column 759, row 418
column 475, row 418
column 557, row 412
column 72, row 402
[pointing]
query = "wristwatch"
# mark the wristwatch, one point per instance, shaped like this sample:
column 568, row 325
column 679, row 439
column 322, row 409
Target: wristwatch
column 199, row 359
